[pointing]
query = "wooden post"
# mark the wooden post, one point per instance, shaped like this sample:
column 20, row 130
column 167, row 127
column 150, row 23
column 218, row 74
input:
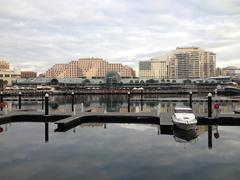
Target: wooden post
column 210, row 137
column 72, row 101
column 46, row 131
column 42, row 100
column 190, row 99
column 141, row 100
column 1, row 100
column 46, row 104
column 209, row 105
column 19, row 100
column 129, row 96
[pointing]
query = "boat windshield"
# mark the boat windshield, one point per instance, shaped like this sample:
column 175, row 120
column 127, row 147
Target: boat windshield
column 183, row 111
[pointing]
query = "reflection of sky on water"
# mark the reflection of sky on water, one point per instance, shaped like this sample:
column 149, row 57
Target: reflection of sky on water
column 118, row 152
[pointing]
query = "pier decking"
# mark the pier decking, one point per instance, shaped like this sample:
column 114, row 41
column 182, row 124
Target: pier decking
column 178, row 99
column 65, row 121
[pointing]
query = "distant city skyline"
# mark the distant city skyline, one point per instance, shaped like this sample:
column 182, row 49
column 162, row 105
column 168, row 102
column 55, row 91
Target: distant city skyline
column 38, row 34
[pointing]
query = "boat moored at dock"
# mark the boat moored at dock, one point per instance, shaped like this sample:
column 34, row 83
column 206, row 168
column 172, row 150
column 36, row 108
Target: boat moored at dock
column 184, row 118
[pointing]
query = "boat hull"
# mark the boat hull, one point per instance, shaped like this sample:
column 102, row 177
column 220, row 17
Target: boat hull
column 185, row 125
column 229, row 91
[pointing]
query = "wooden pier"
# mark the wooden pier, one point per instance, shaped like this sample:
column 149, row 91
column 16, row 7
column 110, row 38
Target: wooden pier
column 65, row 121
column 177, row 99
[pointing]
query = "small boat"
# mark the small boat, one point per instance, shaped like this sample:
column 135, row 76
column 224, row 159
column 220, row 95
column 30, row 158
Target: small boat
column 184, row 118
column 228, row 90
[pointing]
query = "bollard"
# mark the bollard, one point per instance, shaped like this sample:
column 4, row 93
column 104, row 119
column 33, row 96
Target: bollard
column 46, row 104
column 1, row 100
column 210, row 137
column 42, row 100
column 190, row 99
column 46, row 132
column 72, row 101
column 129, row 94
column 209, row 105
column 20, row 100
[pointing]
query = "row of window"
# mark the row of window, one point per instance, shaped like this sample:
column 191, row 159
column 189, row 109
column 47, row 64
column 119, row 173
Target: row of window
column 8, row 75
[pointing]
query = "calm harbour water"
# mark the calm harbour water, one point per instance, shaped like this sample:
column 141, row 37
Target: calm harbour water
column 117, row 151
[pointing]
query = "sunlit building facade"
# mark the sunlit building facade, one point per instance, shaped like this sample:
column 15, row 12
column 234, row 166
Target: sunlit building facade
column 89, row 68
column 182, row 63
column 8, row 76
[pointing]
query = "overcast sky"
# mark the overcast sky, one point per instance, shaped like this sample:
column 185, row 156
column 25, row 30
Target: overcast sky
column 35, row 34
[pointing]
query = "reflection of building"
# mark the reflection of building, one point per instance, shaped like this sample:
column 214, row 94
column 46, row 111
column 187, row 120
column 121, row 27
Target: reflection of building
column 183, row 63
column 89, row 68
column 91, row 125
column 28, row 74
column 8, row 76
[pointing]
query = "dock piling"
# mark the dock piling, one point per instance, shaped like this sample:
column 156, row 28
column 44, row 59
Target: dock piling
column 190, row 99
column 20, row 100
column 46, row 132
column 141, row 100
column 209, row 105
column 46, row 104
column 42, row 100
column 210, row 137
column 73, row 101
column 129, row 96
column 1, row 100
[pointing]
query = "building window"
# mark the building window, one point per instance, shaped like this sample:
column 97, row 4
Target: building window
column 7, row 75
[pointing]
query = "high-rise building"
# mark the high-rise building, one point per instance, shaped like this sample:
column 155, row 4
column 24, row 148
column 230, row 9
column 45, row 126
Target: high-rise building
column 182, row 63
column 89, row 68
column 4, row 65
column 155, row 68
column 231, row 71
column 28, row 74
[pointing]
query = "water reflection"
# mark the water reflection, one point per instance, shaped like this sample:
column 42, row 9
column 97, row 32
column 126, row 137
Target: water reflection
column 46, row 132
column 184, row 136
column 118, row 103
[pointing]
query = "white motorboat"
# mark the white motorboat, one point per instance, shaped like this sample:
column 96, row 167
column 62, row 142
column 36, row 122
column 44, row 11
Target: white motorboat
column 184, row 118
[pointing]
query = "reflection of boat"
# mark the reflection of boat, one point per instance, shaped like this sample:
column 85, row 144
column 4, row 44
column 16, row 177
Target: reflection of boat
column 184, row 118
column 228, row 90
column 184, row 136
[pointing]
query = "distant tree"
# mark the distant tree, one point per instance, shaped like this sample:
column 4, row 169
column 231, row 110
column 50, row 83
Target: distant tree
column 168, row 80
column 86, row 82
column 151, row 81
column 120, row 83
column 163, row 80
column 137, row 81
column 187, row 81
column 131, row 82
column 174, row 81
column 142, row 82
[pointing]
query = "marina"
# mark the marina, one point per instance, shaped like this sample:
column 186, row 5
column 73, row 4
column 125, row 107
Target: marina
column 80, row 130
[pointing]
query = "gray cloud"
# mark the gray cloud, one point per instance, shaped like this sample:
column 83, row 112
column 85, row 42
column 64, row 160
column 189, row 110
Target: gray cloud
column 37, row 34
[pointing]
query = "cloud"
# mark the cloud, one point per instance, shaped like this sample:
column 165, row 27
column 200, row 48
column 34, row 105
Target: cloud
column 37, row 34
